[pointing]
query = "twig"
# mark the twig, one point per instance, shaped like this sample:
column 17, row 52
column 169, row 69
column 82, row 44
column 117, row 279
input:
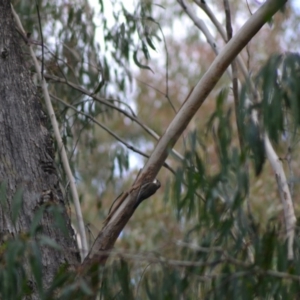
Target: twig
column 157, row 259
column 199, row 23
column 130, row 147
column 61, row 146
column 167, row 70
column 109, row 104
column 234, row 73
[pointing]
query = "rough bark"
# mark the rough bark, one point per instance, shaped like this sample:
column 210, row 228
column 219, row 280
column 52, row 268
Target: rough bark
column 27, row 153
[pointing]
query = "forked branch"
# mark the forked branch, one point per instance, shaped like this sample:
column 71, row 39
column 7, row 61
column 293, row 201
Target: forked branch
column 111, row 230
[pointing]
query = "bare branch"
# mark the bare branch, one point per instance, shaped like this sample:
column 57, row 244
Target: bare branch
column 210, row 14
column 108, row 103
column 286, row 199
column 200, row 24
column 235, row 85
column 109, row 233
column 119, row 139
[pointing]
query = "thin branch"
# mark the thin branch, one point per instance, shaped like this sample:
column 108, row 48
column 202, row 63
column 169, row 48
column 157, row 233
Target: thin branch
column 109, row 233
column 204, row 6
column 228, row 19
column 61, row 146
column 140, row 280
column 157, row 259
column 42, row 38
column 284, row 192
column 234, row 72
column 151, row 86
column 199, row 248
column 130, row 147
column 240, row 62
column 167, row 70
column 236, row 102
column 199, row 23
column 126, row 105
column 109, row 104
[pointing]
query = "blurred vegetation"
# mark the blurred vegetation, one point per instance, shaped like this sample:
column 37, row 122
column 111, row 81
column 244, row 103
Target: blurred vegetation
column 215, row 229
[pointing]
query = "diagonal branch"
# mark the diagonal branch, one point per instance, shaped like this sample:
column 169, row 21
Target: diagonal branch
column 218, row 25
column 104, row 101
column 119, row 139
column 199, row 23
column 210, row 14
column 109, row 233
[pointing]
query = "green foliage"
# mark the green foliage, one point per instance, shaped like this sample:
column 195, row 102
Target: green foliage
column 75, row 51
column 278, row 110
column 278, row 82
column 120, row 155
column 226, row 253
column 16, row 205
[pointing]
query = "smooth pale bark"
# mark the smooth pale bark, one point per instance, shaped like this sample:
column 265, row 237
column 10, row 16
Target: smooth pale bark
column 27, row 152
column 110, row 232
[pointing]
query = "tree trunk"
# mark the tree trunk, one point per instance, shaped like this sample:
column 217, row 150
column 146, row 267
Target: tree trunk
column 27, row 155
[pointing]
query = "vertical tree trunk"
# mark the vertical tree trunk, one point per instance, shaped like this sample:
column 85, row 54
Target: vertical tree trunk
column 27, row 153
